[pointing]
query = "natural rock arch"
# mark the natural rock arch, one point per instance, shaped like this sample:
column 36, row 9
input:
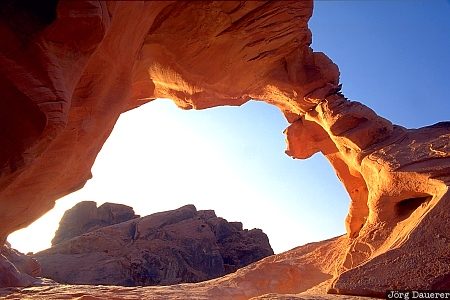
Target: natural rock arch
column 69, row 79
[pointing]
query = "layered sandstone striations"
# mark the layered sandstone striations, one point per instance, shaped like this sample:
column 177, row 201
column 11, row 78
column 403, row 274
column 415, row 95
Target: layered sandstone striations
column 398, row 181
column 182, row 245
column 72, row 68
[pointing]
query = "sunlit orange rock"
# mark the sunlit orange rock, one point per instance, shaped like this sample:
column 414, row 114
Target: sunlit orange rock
column 71, row 69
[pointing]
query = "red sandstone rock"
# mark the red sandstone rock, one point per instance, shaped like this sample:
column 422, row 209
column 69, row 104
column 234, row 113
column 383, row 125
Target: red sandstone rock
column 292, row 272
column 85, row 216
column 179, row 292
column 182, row 245
column 17, row 269
column 22, row 262
column 68, row 76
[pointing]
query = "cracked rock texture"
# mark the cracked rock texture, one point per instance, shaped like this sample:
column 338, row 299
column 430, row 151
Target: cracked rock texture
column 70, row 69
column 182, row 245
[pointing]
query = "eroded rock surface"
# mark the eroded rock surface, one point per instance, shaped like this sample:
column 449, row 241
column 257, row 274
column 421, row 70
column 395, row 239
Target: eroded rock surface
column 74, row 67
column 183, row 245
column 85, row 216
column 292, row 272
column 17, row 269
column 56, row 292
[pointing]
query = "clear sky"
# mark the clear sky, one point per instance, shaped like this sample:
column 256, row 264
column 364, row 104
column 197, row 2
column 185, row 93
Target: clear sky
column 394, row 56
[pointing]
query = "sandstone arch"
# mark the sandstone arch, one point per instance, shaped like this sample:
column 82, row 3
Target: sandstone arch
column 70, row 80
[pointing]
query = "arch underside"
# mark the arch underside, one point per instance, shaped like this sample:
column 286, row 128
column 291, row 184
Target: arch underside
column 72, row 85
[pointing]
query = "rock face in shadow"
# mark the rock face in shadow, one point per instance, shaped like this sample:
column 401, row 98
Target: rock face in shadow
column 72, row 68
column 86, row 216
column 16, row 268
column 183, row 245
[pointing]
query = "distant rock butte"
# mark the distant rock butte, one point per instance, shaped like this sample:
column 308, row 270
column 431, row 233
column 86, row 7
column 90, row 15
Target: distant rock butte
column 85, row 217
column 182, row 245
column 70, row 69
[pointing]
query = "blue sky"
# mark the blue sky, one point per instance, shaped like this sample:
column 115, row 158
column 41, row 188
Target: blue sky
column 394, row 56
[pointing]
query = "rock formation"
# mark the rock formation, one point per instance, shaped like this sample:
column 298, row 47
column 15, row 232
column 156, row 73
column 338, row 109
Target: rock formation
column 72, row 68
column 17, row 269
column 182, row 245
column 85, row 216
